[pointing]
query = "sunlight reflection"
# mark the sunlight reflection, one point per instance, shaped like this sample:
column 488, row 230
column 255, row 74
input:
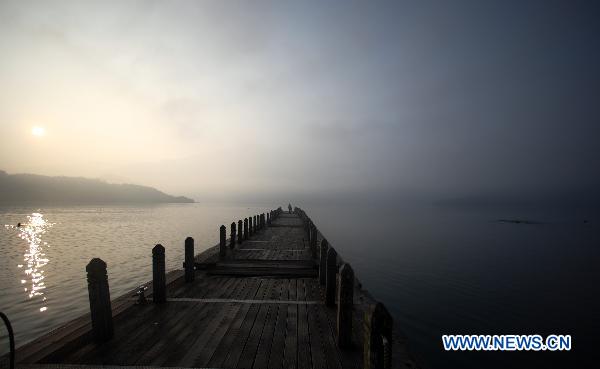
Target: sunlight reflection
column 35, row 258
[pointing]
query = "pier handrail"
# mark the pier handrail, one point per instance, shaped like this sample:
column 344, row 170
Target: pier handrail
column 11, row 339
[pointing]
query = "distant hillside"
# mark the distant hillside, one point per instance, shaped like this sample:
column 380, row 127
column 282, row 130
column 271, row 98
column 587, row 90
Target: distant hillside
column 18, row 189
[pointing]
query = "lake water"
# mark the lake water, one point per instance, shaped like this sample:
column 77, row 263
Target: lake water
column 438, row 270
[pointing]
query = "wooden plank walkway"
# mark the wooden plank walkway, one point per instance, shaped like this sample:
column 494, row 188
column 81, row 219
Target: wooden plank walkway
column 260, row 306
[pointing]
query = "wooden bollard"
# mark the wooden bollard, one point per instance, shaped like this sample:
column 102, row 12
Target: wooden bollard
column 387, row 353
column 245, row 228
column 345, row 306
column 331, row 281
column 189, row 260
column 159, row 281
column 268, row 219
column 254, row 224
column 223, row 241
column 233, row 236
column 102, row 323
column 323, row 262
column 313, row 242
column 250, row 230
column 240, row 228
column 377, row 328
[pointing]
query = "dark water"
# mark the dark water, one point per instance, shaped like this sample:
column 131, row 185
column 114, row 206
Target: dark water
column 444, row 271
column 438, row 270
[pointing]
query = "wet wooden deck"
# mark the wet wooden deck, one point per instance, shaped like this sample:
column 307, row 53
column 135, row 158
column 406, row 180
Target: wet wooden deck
column 260, row 307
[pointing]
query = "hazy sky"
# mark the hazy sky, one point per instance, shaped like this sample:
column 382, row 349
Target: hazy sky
column 212, row 98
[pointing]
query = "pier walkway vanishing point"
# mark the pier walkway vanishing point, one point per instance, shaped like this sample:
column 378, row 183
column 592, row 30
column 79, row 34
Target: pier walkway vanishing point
column 272, row 294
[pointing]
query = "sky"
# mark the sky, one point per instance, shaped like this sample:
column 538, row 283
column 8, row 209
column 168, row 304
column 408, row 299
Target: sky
column 227, row 99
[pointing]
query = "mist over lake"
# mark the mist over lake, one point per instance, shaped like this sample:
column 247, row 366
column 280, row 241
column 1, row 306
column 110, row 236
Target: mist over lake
column 447, row 150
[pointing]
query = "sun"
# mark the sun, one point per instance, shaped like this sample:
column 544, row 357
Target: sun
column 38, row 131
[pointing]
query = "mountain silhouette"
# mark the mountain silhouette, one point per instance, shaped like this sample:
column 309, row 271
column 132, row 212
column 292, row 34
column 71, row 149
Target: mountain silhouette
column 17, row 189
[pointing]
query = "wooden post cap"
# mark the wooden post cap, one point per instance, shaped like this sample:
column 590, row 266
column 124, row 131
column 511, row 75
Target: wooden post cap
column 323, row 262
column 330, row 282
column 159, row 285
column 222, row 241
column 99, row 296
column 345, row 306
column 189, row 260
column 378, row 323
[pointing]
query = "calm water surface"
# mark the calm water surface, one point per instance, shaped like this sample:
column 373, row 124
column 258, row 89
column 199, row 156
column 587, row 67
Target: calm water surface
column 439, row 271
column 445, row 271
column 42, row 268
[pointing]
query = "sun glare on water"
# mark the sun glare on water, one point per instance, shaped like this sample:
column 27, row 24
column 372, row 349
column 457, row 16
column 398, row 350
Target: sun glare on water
column 38, row 131
column 32, row 232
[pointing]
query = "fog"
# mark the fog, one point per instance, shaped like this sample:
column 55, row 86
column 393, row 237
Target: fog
column 241, row 100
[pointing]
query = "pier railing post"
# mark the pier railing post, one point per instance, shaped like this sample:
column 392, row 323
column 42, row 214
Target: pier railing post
column 330, row 282
column 387, row 353
column 240, row 232
column 159, row 281
column 100, row 309
column 250, row 230
column 233, row 236
column 345, row 306
column 245, row 228
column 378, row 337
column 189, row 260
column 222, row 242
column 254, row 224
column 268, row 219
column 323, row 262
column 313, row 241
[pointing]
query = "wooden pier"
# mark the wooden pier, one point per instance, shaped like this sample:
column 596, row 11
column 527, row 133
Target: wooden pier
column 272, row 294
